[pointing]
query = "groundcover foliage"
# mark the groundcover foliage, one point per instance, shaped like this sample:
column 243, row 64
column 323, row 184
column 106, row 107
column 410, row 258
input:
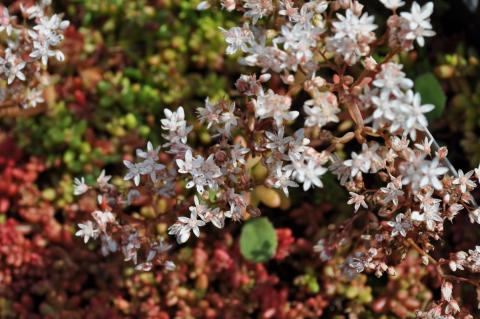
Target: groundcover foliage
column 239, row 159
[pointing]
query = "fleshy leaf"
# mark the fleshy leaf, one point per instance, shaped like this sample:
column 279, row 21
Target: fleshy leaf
column 258, row 240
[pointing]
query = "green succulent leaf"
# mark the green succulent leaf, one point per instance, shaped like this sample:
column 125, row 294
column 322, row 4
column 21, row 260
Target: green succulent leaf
column 432, row 93
column 258, row 240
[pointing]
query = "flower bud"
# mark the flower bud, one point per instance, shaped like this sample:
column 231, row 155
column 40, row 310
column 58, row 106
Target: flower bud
column 446, row 198
column 447, row 291
column 442, row 152
column 370, row 64
column 229, row 5
column 357, row 8
column 265, row 77
column 288, row 79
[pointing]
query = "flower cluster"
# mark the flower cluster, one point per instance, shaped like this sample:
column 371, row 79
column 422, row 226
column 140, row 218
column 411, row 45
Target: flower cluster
column 31, row 38
column 402, row 187
column 395, row 105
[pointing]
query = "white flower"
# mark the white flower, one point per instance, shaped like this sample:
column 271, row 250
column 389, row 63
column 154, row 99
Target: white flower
column 358, row 163
column 173, row 120
column 199, row 209
column 237, row 155
column 391, row 80
column 282, row 179
column 288, row 9
column 130, row 249
column 425, row 146
column 474, row 259
column 353, row 26
column 430, row 216
column 203, row 172
column 49, row 29
column 453, row 210
column 229, row 120
column 134, row 172
column 11, row 66
column 477, row 173
column 309, row 174
column 274, row 106
column 109, row 245
column 464, row 181
column 276, row 141
column 427, row 200
column 87, row 230
column 342, row 171
column 269, row 57
column 33, row 11
column 103, row 179
column 392, row 192
column 146, row 266
column 357, row 200
column 298, row 146
column 155, row 248
column 33, row 98
column 79, row 186
column 419, row 172
column 393, row 4
column 151, row 153
column 257, row 9
column 430, row 170
column 150, row 167
column 419, row 22
column 360, row 261
column 474, row 216
column 352, row 36
column 400, row 144
column 209, row 114
column 5, row 21
column 414, row 110
column 42, row 51
column 45, row 35
column 175, row 124
column 160, row 247
column 458, row 261
column 395, row 105
column 322, row 250
column 185, row 225
column 237, row 204
column 169, row 265
column 385, row 110
column 207, row 214
column 103, row 218
column 188, row 163
column 323, row 110
column 299, row 38
column 238, row 39
column 400, row 225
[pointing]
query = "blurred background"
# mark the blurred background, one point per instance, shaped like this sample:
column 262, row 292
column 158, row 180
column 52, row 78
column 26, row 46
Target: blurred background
column 125, row 61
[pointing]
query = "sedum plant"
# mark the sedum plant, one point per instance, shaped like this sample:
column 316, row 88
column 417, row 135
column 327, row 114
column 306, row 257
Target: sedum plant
column 324, row 67
column 28, row 41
